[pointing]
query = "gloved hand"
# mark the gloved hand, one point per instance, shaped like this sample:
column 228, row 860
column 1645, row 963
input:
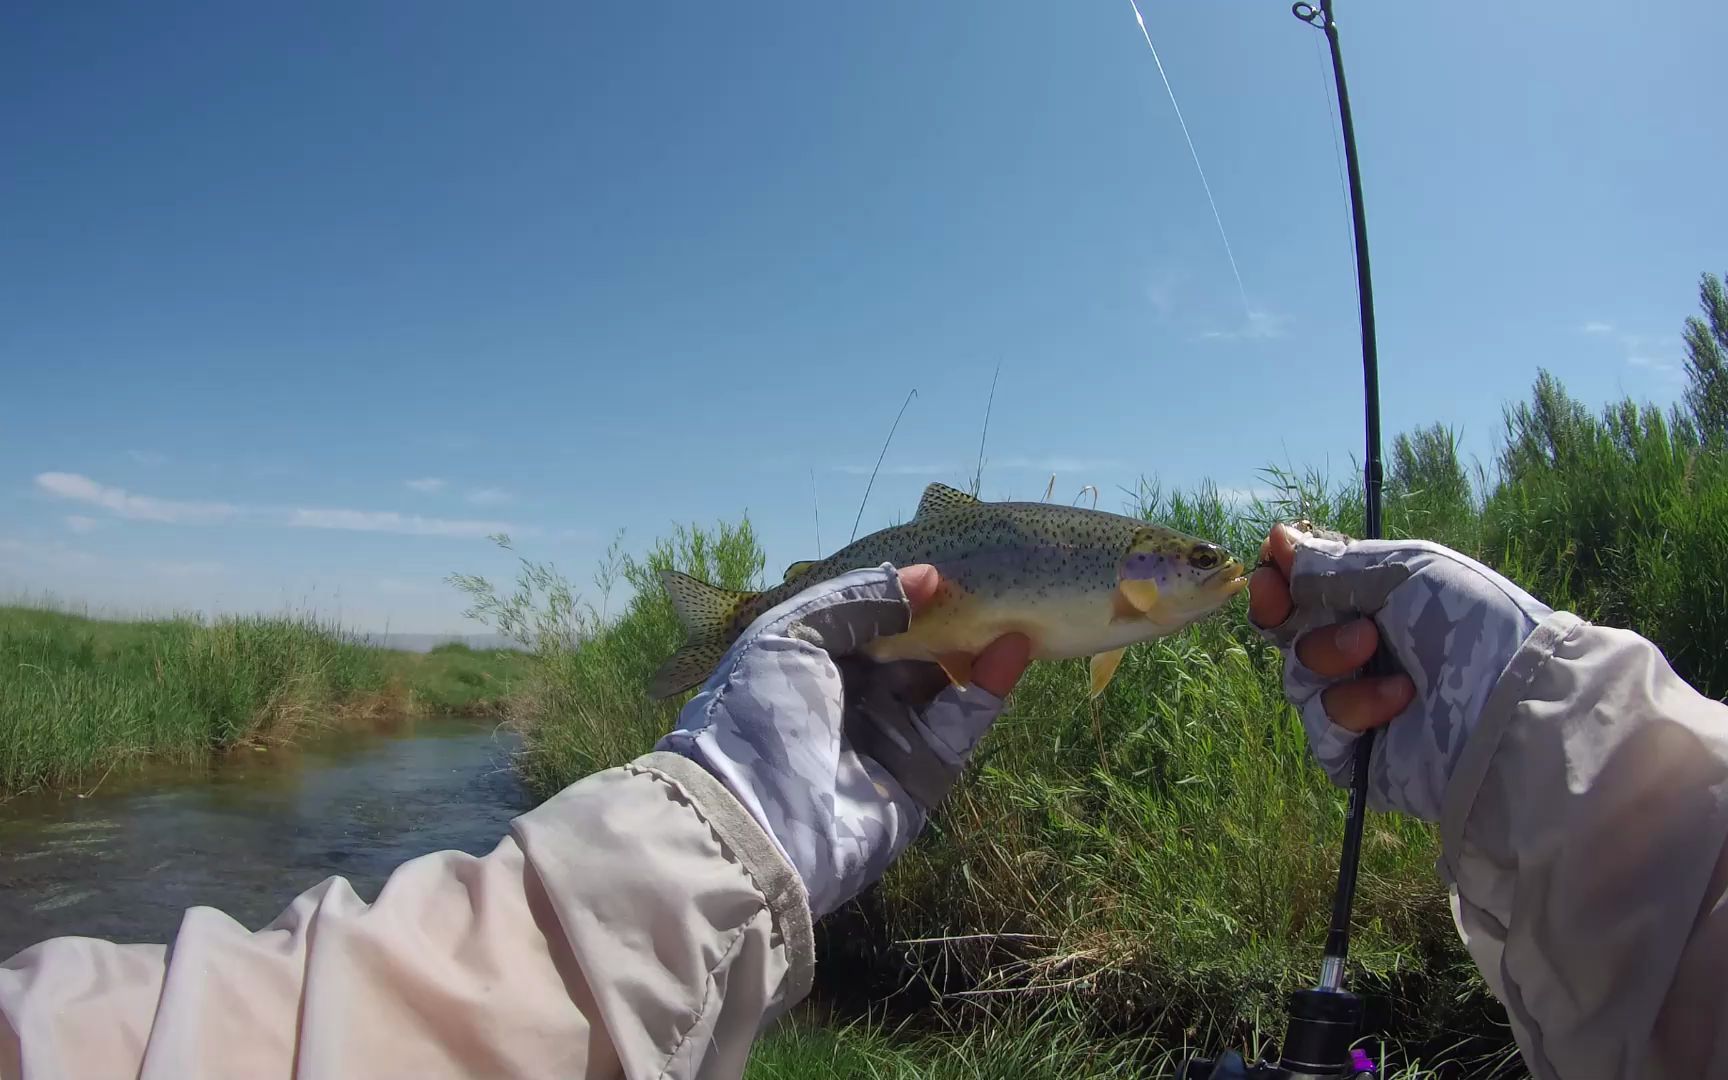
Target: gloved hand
column 1451, row 625
column 839, row 758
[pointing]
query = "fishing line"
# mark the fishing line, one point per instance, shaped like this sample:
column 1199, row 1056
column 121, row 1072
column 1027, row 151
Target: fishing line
column 1195, row 154
column 1337, row 151
column 816, row 509
column 978, row 475
column 879, row 457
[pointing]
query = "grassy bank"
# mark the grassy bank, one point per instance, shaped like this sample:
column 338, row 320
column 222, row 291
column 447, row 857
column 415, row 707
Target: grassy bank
column 1052, row 1045
column 1160, row 861
column 456, row 679
column 80, row 697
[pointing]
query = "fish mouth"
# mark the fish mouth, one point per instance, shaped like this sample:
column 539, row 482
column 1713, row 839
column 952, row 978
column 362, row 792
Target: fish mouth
column 1229, row 579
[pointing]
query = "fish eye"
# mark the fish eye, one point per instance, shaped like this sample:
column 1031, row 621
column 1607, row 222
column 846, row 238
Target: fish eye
column 1205, row 556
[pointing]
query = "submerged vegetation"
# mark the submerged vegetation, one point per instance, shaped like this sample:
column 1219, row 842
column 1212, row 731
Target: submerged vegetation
column 1160, row 860
column 81, row 697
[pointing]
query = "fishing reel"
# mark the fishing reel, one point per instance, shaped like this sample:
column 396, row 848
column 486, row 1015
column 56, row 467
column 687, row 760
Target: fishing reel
column 1323, row 1023
column 1230, row 1066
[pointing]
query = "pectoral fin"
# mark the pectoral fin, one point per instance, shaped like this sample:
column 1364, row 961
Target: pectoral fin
column 1135, row 597
column 1104, row 669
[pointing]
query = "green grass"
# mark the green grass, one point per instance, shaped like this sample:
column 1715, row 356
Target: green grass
column 1033, row 1049
column 81, row 697
column 454, row 678
column 1052, row 1044
column 1621, row 516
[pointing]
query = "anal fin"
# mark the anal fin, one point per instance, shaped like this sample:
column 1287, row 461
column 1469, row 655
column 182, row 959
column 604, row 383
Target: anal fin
column 958, row 665
column 1104, row 669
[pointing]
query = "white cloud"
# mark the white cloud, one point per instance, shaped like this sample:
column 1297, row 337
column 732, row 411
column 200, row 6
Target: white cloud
column 391, row 522
column 1643, row 350
column 427, row 485
column 1664, row 368
column 1261, row 326
column 52, row 557
column 147, row 457
column 132, row 507
column 1645, row 344
column 79, row 523
column 489, row 497
column 58, row 556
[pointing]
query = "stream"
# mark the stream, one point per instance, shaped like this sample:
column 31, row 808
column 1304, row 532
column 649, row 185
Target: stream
column 249, row 833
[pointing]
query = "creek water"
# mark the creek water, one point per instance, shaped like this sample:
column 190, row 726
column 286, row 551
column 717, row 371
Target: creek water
column 247, row 834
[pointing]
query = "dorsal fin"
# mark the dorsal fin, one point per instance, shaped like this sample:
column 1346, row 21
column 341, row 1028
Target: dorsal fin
column 798, row 568
column 940, row 497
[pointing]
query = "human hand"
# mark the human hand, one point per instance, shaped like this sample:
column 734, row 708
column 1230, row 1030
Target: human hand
column 1450, row 624
column 837, row 757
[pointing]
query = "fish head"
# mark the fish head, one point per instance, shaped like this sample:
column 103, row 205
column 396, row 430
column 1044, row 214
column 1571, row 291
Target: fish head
column 1171, row 579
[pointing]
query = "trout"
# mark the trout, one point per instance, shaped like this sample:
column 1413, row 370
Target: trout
column 1076, row 582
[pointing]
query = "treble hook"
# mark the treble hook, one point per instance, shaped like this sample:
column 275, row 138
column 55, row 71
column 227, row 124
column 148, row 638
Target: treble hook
column 1309, row 14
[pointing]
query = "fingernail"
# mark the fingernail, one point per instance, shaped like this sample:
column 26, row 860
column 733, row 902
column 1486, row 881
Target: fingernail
column 1392, row 690
column 1353, row 637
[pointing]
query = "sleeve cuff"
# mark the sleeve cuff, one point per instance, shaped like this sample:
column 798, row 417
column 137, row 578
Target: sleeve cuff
column 787, row 899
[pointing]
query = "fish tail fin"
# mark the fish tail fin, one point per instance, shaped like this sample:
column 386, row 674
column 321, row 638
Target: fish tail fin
column 709, row 614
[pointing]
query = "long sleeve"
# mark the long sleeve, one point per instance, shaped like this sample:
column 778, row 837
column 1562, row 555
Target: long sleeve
column 638, row 924
column 1584, row 833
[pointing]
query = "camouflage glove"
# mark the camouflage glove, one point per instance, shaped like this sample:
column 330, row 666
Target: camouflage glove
column 1449, row 622
column 838, row 758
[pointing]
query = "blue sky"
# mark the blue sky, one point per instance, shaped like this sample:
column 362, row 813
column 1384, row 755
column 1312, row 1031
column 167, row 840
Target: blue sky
column 301, row 301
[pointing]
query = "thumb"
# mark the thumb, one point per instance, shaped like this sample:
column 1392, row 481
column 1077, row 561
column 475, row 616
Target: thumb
column 920, row 582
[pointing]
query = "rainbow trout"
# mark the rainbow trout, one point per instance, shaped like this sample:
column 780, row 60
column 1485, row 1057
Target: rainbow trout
column 1076, row 582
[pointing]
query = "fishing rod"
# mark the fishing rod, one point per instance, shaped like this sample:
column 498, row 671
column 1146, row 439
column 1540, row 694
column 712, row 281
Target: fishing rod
column 1325, row 1018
